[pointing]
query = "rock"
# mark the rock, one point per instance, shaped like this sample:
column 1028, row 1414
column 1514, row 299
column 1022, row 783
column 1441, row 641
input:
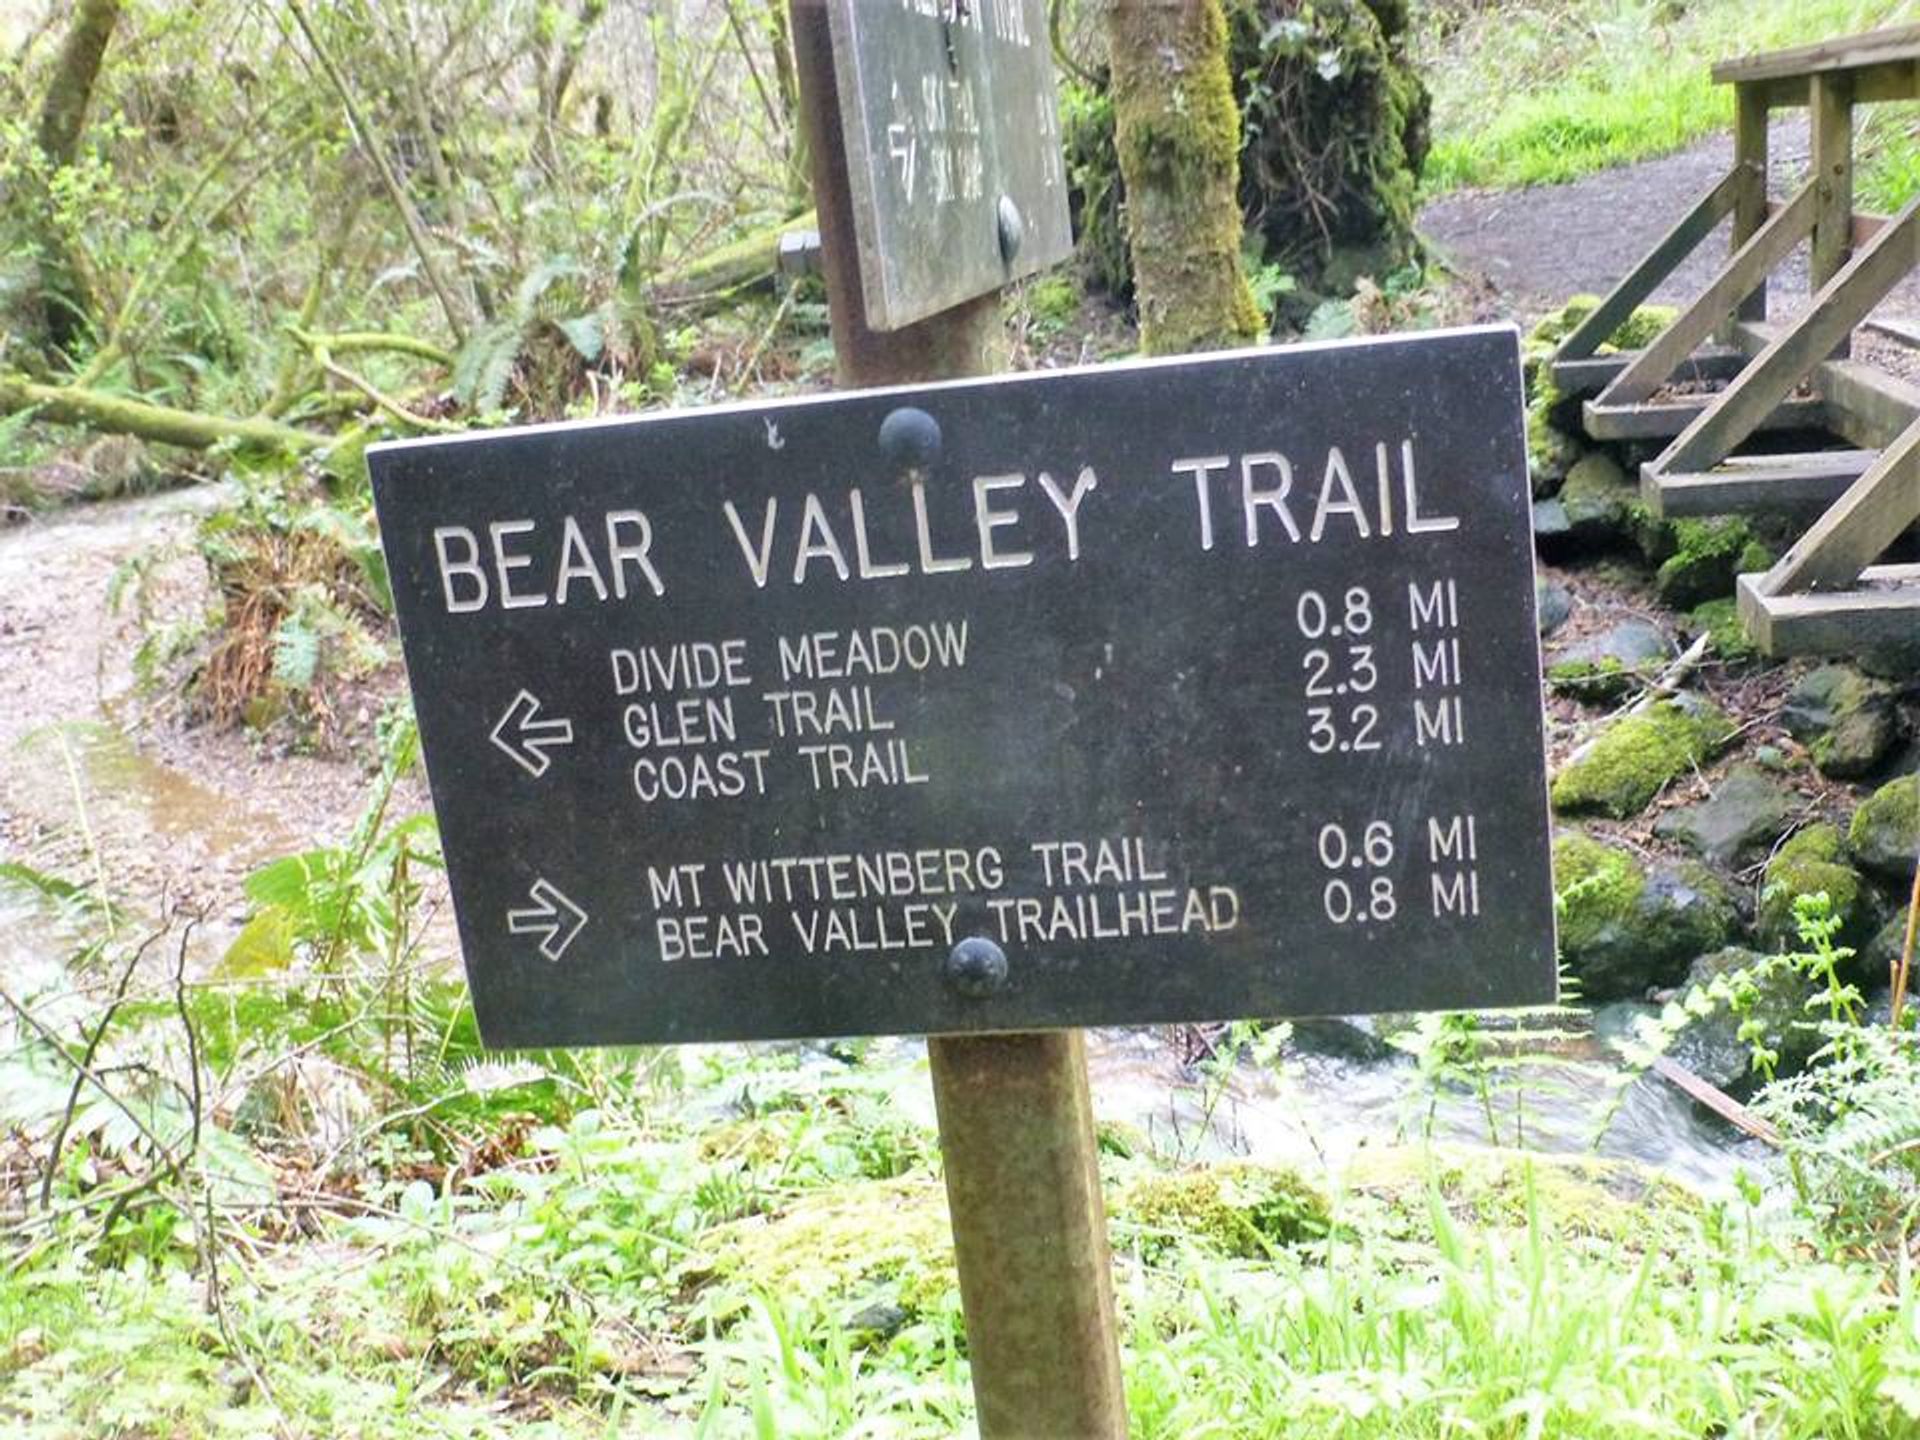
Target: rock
column 1599, row 503
column 881, row 1320
column 1605, row 666
column 1626, row 929
column 1772, row 997
column 1885, row 834
column 1880, row 954
column 1351, row 1037
column 1746, row 810
column 1549, row 524
column 1706, row 555
column 1847, row 721
column 1812, row 863
column 1639, row 755
column 1551, row 453
column 1553, row 603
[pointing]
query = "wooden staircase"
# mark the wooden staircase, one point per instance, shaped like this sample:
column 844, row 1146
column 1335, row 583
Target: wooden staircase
column 1826, row 594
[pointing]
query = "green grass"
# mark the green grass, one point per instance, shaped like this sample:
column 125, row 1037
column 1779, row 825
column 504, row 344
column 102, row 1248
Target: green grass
column 634, row 1275
column 1550, row 90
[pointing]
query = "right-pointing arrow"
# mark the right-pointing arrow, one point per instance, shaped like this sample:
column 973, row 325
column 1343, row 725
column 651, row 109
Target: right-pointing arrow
column 527, row 738
column 552, row 916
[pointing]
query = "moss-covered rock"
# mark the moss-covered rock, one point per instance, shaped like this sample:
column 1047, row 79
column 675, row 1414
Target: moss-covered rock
column 1600, row 503
column 1706, row 555
column 1846, row 720
column 1551, row 452
column 1885, row 833
column 1638, row 756
column 1813, row 862
column 1880, row 954
column 1626, row 928
column 1605, row 666
column 1640, row 326
column 1237, row 1208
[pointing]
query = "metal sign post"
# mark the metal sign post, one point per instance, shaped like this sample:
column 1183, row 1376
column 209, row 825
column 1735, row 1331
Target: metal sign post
column 1016, row 1119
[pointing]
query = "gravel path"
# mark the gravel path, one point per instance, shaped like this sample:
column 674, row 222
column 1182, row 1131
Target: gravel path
column 1537, row 246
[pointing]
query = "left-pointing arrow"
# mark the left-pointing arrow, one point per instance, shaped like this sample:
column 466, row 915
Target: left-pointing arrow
column 526, row 738
column 552, row 916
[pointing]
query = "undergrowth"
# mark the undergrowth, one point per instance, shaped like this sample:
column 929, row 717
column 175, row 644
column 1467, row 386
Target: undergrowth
column 294, row 1196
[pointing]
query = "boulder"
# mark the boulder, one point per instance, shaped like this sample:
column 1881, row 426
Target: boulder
column 1626, row 928
column 1604, row 666
column 1746, row 811
column 1813, row 862
column 1639, row 755
column 1744, row 989
column 1846, row 720
column 1885, row 833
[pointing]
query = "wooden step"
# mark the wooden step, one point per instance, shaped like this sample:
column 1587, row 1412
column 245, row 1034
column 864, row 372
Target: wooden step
column 1744, row 484
column 1591, row 375
column 1664, row 419
column 1882, row 611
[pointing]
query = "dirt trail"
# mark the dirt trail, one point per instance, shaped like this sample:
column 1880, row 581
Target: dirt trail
column 91, row 771
column 1537, row 246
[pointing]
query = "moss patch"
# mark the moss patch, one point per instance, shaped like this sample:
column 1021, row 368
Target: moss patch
column 1812, row 862
column 840, row 1242
column 1625, row 928
column 1719, row 620
column 1707, row 554
column 1639, row 756
column 1886, row 829
column 1238, row 1208
column 1598, row 887
column 1614, row 1201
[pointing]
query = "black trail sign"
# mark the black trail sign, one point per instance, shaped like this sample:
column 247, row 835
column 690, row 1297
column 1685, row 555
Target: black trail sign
column 1198, row 688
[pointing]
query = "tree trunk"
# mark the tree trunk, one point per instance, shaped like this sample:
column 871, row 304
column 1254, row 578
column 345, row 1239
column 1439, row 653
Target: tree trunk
column 1178, row 134
column 65, row 294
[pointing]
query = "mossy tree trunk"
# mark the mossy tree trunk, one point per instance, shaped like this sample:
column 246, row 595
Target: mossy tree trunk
column 1178, row 134
column 66, row 294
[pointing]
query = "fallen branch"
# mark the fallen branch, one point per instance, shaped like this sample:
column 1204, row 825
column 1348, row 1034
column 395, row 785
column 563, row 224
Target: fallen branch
column 1716, row 1100
column 746, row 261
column 163, row 424
column 359, row 342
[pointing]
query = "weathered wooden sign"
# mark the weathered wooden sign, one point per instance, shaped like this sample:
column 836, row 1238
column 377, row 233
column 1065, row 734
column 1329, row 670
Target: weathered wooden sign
column 1169, row 690
column 952, row 133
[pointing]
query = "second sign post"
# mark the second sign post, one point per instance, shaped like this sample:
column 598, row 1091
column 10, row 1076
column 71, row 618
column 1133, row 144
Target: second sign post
column 1016, row 1118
